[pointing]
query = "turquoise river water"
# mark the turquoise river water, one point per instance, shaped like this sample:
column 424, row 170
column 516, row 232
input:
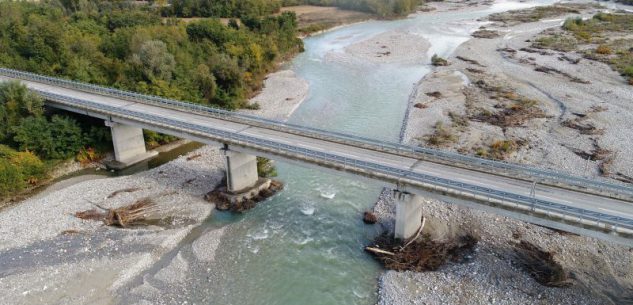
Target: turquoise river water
column 305, row 246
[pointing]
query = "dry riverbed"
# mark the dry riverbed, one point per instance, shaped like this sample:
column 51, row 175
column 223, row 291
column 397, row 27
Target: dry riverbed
column 552, row 109
column 47, row 255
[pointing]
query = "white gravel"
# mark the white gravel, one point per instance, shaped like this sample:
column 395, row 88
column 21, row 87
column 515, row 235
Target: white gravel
column 602, row 272
column 283, row 92
column 90, row 262
column 205, row 246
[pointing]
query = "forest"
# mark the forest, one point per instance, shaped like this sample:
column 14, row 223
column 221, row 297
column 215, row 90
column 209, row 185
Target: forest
column 237, row 8
column 127, row 46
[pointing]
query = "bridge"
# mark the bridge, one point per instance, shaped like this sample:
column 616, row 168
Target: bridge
column 590, row 207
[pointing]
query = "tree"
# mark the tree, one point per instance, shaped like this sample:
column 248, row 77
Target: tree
column 206, row 82
column 155, row 60
column 16, row 103
column 61, row 138
column 10, row 178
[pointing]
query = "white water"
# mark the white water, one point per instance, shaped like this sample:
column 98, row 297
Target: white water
column 305, row 245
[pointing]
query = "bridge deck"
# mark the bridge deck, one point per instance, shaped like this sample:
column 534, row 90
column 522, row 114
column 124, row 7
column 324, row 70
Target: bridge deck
column 563, row 196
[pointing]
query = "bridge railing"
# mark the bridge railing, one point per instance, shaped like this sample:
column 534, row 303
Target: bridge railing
column 518, row 170
column 615, row 222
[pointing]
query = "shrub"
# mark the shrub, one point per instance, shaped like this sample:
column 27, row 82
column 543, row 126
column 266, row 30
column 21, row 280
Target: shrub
column 501, row 148
column 88, row 155
column 604, row 50
column 31, row 168
column 265, row 168
column 438, row 61
column 61, row 138
column 10, row 178
column 154, row 139
column 443, row 135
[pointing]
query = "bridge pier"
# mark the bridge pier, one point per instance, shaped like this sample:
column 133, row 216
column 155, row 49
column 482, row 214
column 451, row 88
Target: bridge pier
column 241, row 171
column 129, row 145
column 408, row 214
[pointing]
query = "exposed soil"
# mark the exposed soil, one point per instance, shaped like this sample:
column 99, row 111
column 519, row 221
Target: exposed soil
column 541, row 265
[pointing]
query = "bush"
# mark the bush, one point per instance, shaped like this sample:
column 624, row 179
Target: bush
column 61, row 138
column 18, row 169
column 438, row 61
column 31, row 168
column 502, row 148
column 604, row 50
column 154, row 139
column 10, row 178
column 265, row 168
column 442, row 135
column 16, row 103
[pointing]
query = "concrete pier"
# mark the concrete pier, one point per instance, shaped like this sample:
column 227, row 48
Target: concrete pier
column 129, row 145
column 408, row 214
column 241, row 171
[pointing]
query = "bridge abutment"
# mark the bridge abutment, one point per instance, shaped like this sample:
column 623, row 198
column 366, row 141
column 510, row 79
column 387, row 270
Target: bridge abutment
column 129, row 145
column 241, row 171
column 408, row 214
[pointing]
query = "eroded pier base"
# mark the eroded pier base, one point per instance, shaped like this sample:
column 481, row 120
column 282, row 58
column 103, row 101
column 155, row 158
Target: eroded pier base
column 408, row 214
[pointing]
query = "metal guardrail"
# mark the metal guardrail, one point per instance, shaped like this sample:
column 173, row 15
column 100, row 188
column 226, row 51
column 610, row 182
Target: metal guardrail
column 433, row 155
column 240, row 139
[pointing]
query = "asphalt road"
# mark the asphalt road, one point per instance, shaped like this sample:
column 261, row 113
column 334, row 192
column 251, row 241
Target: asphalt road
column 563, row 196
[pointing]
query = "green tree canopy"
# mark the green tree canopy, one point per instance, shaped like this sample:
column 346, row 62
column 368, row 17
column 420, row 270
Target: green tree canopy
column 16, row 103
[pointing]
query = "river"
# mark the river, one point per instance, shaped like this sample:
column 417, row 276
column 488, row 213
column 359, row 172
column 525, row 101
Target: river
column 305, row 245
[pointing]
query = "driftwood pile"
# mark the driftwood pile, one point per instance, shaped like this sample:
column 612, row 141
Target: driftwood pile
column 127, row 216
column 541, row 265
column 420, row 253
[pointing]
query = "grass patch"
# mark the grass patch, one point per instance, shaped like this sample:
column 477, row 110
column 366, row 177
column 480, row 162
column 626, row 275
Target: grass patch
column 604, row 37
column 442, row 136
column 536, row 14
column 498, row 150
column 514, row 109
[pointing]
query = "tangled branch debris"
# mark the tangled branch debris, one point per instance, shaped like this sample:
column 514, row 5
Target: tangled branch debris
column 130, row 215
column 541, row 265
column 422, row 255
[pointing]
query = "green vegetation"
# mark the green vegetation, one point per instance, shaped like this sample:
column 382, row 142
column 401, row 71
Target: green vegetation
column 213, row 8
column 605, row 38
column 498, row 150
column 18, row 170
column 536, row 13
column 27, row 137
column 127, row 46
column 443, row 135
column 382, row 8
column 265, row 168
column 438, row 61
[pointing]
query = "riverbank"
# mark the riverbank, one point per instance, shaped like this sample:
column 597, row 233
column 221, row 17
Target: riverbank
column 501, row 97
column 600, row 272
column 41, row 240
column 568, row 92
column 314, row 20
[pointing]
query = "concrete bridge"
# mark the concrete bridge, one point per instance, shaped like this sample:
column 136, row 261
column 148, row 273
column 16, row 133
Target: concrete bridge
column 584, row 206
